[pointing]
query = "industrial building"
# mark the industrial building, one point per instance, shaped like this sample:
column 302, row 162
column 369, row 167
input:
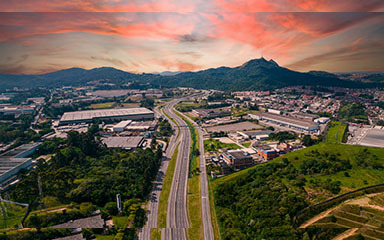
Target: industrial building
column 211, row 113
column 130, row 143
column 322, row 120
column 120, row 127
column 238, row 159
column 11, row 162
column 265, row 152
column 106, row 114
column 286, row 121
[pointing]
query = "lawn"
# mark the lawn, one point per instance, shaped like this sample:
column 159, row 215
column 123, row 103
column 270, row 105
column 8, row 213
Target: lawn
column 14, row 215
column 246, row 144
column 213, row 145
column 104, row 237
column 102, row 105
column 335, row 132
column 120, row 221
column 167, row 183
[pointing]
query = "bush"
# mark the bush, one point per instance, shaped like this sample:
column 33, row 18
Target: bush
column 111, row 208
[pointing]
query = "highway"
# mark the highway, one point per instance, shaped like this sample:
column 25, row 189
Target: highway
column 205, row 209
column 153, row 205
column 177, row 213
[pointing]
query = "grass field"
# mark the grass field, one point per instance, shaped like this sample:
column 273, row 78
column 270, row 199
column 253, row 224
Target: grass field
column 13, row 216
column 102, row 105
column 335, row 132
column 167, row 183
column 104, row 237
column 120, row 221
column 213, row 145
column 246, row 144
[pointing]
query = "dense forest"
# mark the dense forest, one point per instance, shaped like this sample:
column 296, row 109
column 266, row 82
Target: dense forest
column 83, row 170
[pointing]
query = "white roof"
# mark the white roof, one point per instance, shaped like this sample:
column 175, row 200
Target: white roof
column 90, row 114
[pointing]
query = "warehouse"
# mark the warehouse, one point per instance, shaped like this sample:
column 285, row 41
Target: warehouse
column 130, row 143
column 12, row 161
column 291, row 122
column 121, row 126
column 106, row 114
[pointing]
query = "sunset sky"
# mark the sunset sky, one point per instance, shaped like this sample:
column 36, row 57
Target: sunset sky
column 39, row 36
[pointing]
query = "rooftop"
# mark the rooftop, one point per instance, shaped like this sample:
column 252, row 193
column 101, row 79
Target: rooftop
column 91, row 114
column 89, row 222
column 289, row 120
column 123, row 142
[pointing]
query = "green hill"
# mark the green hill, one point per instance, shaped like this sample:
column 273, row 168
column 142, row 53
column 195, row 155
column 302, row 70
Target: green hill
column 255, row 74
column 262, row 202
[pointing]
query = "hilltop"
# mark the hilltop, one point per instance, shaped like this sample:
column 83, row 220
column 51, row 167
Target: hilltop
column 256, row 74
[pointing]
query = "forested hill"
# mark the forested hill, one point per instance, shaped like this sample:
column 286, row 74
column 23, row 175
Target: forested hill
column 253, row 75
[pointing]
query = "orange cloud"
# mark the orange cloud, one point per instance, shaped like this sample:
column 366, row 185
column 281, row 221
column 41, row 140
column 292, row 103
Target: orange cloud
column 20, row 25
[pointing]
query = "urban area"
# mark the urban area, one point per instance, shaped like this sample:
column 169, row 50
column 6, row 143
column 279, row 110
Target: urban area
column 95, row 162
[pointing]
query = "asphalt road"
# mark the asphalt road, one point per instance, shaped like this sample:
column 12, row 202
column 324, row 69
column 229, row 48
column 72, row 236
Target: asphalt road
column 153, row 205
column 205, row 209
column 177, row 213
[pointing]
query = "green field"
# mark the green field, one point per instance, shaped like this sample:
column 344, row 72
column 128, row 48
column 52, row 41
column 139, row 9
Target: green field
column 335, row 132
column 213, row 145
column 246, row 144
column 102, row 105
column 120, row 222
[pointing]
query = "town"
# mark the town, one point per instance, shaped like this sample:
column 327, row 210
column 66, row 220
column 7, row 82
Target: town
column 239, row 129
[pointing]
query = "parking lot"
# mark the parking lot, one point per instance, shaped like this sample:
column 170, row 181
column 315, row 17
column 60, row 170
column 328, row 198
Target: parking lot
column 370, row 137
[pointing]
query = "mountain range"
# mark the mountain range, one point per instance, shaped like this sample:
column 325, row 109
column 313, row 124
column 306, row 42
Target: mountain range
column 256, row 74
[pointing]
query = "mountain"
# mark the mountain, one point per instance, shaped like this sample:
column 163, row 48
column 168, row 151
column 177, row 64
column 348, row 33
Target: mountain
column 252, row 75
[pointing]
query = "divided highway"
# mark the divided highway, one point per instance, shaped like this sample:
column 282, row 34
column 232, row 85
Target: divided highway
column 153, row 205
column 177, row 213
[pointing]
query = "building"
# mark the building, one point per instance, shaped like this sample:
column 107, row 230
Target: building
column 12, row 161
column 255, row 134
column 265, row 152
column 263, row 137
column 22, row 109
column 130, row 143
column 121, row 126
column 322, row 120
column 211, row 113
column 238, row 159
column 304, row 116
column 287, row 121
column 106, row 114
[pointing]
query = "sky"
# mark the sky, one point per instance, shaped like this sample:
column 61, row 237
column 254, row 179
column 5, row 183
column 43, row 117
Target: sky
column 39, row 36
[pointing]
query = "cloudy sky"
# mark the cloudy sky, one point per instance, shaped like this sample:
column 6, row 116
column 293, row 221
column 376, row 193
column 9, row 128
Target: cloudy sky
column 38, row 36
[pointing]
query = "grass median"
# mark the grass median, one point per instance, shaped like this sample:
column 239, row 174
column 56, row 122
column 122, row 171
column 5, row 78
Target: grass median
column 194, row 193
